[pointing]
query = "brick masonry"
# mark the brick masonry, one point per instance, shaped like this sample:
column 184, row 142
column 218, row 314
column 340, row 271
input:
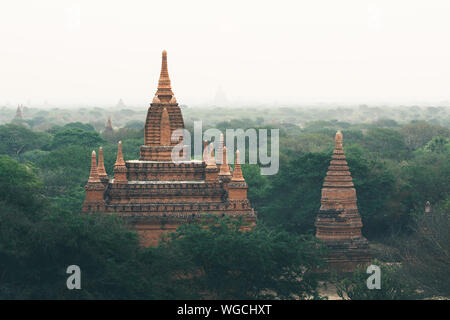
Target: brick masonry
column 156, row 195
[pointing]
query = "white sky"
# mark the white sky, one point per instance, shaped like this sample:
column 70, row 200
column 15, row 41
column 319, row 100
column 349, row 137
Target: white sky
column 96, row 52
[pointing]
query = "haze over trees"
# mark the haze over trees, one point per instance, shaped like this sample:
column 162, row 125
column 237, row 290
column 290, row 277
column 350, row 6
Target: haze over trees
column 399, row 159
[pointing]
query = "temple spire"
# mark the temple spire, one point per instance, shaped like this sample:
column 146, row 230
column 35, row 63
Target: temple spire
column 109, row 124
column 224, row 168
column 164, row 91
column 101, row 166
column 427, row 207
column 338, row 175
column 211, row 170
column 94, row 189
column 19, row 112
column 237, row 172
column 119, row 159
column 120, row 169
column 93, row 175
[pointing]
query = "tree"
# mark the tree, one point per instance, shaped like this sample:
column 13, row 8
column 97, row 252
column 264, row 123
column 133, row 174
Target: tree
column 222, row 262
column 19, row 185
column 418, row 133
column 375, row 190
column 16, row 139
column 393, row 285
column 438, row 145
column 295, row 193
column 79, row 125
column 75, row 136
column 425, row 178
column 425, row 254
column 386, row 143
column 257, row 185
column 38, row 241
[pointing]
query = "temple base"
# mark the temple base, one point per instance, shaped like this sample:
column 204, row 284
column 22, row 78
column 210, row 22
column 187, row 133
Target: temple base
column 151, row 231
column 346, row 255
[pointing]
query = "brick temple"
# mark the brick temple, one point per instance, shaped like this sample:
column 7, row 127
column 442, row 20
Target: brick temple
column 338, row 223
column 155, row 194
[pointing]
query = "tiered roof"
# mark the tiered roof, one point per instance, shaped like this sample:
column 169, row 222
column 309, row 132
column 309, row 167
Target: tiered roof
column 156, row 194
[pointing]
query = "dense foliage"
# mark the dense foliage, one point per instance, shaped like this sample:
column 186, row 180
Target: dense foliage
column 397, row 166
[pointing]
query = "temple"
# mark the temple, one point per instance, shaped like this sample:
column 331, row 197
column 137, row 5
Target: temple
column 19, row 113
column 338, row 223
column 156, row 194
column 109, row 131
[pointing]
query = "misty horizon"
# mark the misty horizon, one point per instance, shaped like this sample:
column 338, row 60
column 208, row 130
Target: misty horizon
column 72, row 53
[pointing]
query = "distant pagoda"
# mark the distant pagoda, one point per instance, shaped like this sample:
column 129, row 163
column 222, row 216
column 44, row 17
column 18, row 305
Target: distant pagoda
column 156, row 195
column 109, row 131
column 19, row 113
column 338, row 223
column 121, row 104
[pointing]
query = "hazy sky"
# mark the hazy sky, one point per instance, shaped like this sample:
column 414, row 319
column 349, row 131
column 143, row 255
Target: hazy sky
column 96, row 52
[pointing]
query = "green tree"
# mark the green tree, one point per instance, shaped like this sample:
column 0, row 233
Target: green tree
column 16, row 139
column 438, row 145
column 418, row 133
column 79, row 125
column 222, row 262
column 78, row 137
column 18, row 184
column 385, row 143
column 295, row 193
column 393, row 285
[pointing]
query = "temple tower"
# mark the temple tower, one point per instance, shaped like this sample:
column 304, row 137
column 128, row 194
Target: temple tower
column 101, row 168
column 155, row 194
column 19, row 113
column 338, row 223
column 109, row 131
column 94, row 189
column 163, row 117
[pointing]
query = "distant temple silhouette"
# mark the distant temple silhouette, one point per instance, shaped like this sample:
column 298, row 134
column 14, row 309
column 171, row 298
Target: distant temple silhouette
column 109, row 131
column 121, row 104
column 156, row 195
column 19, row 113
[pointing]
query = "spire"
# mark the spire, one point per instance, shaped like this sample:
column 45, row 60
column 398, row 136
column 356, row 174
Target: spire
column 94, row 189
column 101, row 165
column 211, row 170
column 164, row 91
column 119, row 159
column 427, row 207
column 93, row 176
column 19, row 113
column 109, row 124
column 224, row 168
column 120, row 169
column 210, row 158
column 237, row 172
column 338, row 175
